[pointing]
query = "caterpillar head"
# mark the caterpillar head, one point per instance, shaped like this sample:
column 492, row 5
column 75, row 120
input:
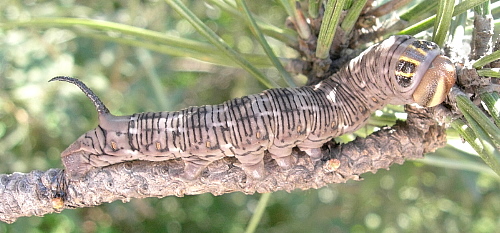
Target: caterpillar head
column 423, row 73
column 436, row 82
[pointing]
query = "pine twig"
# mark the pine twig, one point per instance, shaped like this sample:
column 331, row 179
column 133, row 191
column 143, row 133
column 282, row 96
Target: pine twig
column 42, row 192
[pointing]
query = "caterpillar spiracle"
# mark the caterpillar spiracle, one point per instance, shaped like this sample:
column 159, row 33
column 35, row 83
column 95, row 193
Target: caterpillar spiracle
column 399, row 70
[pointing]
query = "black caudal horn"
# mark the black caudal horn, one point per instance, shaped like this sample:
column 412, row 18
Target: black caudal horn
column 99, row 105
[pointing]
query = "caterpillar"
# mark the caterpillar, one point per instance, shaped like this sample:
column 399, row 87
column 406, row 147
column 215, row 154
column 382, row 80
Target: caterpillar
column 399, row 70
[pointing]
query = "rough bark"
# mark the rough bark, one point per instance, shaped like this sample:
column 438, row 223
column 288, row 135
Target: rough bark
column 481, row 36
column 42, row 192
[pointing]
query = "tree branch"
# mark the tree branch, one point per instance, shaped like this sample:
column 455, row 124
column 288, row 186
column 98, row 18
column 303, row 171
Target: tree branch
column 38, row 193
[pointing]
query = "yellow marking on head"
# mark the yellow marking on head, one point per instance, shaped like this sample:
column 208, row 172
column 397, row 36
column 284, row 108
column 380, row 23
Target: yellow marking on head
column 257, row 135
column 299, row 128
column 208, row 144
column 158, row 146
column 404, row 74
column 421, row 51
column 410, row 60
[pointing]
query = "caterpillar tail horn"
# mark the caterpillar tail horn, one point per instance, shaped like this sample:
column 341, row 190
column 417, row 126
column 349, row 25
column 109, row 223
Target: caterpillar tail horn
column 99, row 105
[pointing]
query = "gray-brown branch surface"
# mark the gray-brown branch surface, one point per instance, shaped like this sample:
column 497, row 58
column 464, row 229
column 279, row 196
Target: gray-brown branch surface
column 42, row 192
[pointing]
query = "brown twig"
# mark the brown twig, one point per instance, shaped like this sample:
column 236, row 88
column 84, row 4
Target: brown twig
column 38, row 193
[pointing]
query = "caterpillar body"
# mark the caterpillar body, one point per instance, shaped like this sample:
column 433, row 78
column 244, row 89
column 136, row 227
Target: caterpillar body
column 399, row 70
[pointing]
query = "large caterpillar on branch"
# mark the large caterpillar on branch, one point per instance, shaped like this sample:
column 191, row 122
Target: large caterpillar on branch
column 400, row 70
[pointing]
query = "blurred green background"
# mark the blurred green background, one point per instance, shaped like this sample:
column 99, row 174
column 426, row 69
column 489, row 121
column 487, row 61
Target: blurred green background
column 451, row 191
